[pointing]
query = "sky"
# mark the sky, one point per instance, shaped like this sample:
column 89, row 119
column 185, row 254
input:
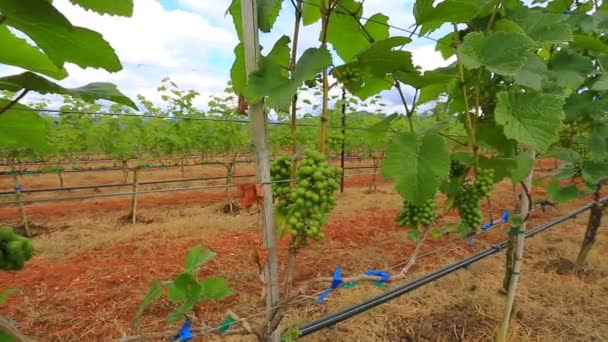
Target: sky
column 192, row 42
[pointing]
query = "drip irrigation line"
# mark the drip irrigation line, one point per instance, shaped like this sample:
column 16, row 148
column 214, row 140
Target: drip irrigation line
column 354, row 310
column 185, row 118
column 118, row 185
column 310, row 328
column 130, row 193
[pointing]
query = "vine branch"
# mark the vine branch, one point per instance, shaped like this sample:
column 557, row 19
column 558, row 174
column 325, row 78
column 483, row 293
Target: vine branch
column 14, row 101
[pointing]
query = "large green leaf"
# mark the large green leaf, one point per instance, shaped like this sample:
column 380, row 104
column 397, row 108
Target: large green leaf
column 594, row 171
column 17, row 52
column 448, row 11
column 490, row 135
column 533, row 72
column 235, row 12
column 196, row 258
column 215, row 288
column 280, row 54
column 569, row 69
column 184, row 288
column 311, row 12
column 153, row 295
column 22, row 128
column 559, row 194
column 601, row 84
column 502, row 52
column 377, row 26
column 525, row 163
column 542, row 26
column 237, row 71
column 530, row 118
column 115, row 7
column 270, row 81
column 179, row 313
column 57, row 37
column 346, row 36
column 584, row 41
column 268, row 11
column 89, row 92
column 418, row 166
column 502, row 166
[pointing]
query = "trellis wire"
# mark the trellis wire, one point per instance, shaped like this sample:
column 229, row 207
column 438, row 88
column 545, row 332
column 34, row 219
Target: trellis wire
column 127, row 193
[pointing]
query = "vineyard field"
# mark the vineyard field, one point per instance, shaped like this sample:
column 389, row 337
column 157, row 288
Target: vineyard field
column 95, row 269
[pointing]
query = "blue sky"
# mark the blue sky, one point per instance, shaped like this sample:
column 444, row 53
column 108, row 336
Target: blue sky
column 191, row 41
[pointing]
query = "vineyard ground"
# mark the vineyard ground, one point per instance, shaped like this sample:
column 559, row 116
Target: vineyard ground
column 90, row 272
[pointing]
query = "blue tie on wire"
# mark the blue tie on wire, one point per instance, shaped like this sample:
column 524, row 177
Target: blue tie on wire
column 184, row 334
column 505, row 216
column 384, row 277
column 335, row 283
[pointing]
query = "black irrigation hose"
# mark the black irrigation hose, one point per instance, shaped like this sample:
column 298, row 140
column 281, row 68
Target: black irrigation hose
column 347, row 313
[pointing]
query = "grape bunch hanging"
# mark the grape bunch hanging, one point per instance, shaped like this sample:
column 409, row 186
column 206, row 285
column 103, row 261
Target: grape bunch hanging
column 467, row 201
column 413, row 215
column 15, row 250
column 305, row 206
column 280, row 171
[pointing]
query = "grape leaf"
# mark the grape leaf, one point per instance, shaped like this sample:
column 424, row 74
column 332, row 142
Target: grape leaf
column 237, row 71
column 583, row 41
column 502, row 166
column 448, row 11
column 566, row 154
column 311, row 12
column 502, row 52
column 215, row 288
column 418, row 166
column 596, row 144
column 22, row 128
column 491, row 135
column 594, row 171
column 541, row 26
column 525, row 163
column 57, row 37
column 89, row 92
column 530, row 118
column 179, row 313
column 569, row 69
column 559, row 194
column 601, row 84
column 346, row 36
column 196, row 258
column 237, row 19
column 280, row 54
column 115, row 7
column 268, row 11
column 445, row 46
column 269, row 80
column 16, row 51
column 533, row 72
column 377, row 26
column 184, row 288
column 154, row 294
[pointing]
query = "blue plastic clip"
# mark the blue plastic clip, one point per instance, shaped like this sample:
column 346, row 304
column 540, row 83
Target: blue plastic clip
column 567, row 12
column 384, row 277
column 505, row 216
column 18, row 188
column 184, row 334
column 487, row 226
column 336, row 282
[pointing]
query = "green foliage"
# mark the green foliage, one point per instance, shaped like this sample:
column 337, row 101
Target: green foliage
column 530, row 118
column 115, row 7
column 89, row 92
column 270, row 81
column 5, row 294
column 559, row 194
column 185, row 290
column 502, row 52
column 418, row 165
column 15, row 250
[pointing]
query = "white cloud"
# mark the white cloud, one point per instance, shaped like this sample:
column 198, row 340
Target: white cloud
column 427, row 58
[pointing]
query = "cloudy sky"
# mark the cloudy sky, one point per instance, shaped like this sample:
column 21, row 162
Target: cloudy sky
column 191, row 41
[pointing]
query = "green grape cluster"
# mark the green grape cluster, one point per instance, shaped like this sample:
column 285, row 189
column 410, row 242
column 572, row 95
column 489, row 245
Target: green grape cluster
column 15, row 250
column 280, row 170
column 469, row 209
column 412, row 215
column 350, row 75
column 457, row 169
column 305, row 208
column 484, row 180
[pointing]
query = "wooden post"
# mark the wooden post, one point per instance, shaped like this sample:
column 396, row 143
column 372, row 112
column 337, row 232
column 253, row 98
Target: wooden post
column 258, row 127
column 519, row 258
column 595, row 220
column 22, row 212
column 342, row 155
column 135, row 188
